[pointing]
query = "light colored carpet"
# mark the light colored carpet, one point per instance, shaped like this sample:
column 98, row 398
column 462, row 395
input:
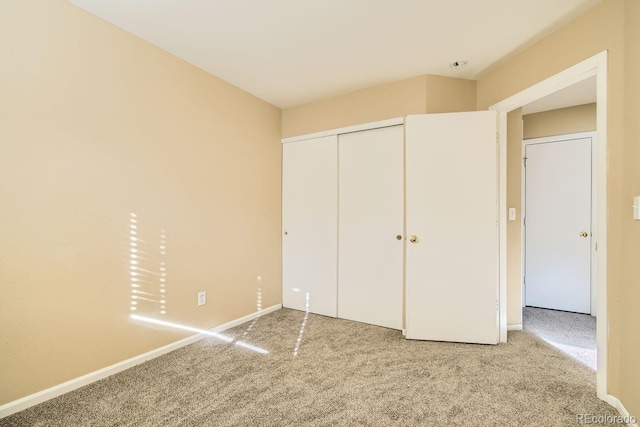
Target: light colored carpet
column 572, row 333
column 345, row 374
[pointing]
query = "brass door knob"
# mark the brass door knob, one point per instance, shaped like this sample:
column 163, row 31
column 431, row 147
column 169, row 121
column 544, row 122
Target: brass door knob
column 399, row 237
column 413, row 239
column 584, row 234
column 285, row 233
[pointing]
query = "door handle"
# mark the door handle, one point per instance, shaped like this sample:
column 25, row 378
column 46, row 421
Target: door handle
column 584, row 234
column 399, row 237
column 413, row 239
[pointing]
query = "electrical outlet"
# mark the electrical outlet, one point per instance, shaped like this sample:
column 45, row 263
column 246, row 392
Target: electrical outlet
column 202, row 298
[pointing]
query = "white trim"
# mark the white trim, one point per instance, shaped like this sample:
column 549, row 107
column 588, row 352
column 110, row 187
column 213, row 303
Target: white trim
column 561, row 137
column 596, row 65
column 502, row 225
column 57, row 390
column 594, row 224
column 516, row 327
column 602, row 323
column 582, row 70
column 615, row 402
column 523, row 209
column 348, row 129
column 593, row 293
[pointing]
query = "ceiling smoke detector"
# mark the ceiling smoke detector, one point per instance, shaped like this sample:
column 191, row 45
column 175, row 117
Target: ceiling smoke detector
column 458, row 64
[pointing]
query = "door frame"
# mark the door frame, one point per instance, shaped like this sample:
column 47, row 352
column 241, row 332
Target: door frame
column 593, row 66
column 593, row 297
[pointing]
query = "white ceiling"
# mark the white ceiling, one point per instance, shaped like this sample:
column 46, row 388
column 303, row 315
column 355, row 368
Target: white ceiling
column 581, row 93
column 291, row 52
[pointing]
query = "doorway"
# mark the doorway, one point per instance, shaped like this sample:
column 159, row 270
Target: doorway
column 594, row 66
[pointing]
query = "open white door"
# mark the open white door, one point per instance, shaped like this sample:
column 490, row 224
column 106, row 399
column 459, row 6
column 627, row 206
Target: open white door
column 452, row 227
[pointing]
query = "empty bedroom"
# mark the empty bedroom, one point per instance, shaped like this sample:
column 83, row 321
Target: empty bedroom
column 319, row 213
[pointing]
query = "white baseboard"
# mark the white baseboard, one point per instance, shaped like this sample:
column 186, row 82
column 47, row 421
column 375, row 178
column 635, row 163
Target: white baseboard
column 615, row 402
column 244, row 319
column 57, row 390
column 516, row 327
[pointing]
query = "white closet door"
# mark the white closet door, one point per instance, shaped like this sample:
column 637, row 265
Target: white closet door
column 310, row 225
column 451, row 197
column 370, row 260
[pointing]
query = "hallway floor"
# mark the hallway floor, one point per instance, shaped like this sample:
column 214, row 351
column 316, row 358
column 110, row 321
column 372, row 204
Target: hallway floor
column 572, row 333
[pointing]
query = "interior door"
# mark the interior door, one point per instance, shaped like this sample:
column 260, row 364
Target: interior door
column 451, row 221
column 558, row 225
column 310, row 225
column 371, row 223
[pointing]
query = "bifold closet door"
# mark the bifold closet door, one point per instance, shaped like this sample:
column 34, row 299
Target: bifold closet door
column 452, row 227
column 371, row 219
column 309, row 225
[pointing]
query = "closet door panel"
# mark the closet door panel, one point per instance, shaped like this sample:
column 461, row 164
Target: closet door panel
column 452, row 259
column 309, row 225
column 371, row 216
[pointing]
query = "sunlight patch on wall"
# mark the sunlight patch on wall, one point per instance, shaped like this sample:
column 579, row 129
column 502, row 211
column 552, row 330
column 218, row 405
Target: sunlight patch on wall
column 147, row 270
column 148, row 284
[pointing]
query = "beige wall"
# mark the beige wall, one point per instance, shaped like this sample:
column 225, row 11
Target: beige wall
column 602, row 28
column 629, row 300
column 97, row 124
column 368, row 105
column 581, row 118
column 514, row 229
column 450, row 95
column 417, row 95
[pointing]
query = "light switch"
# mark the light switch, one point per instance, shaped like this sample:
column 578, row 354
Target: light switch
column 636, row 208
column 512, row 214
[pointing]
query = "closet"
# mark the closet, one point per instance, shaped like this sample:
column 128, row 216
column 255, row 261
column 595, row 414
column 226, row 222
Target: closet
column 310, row 225
column 452, row 224
column 395, row 224
column 371, row 226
